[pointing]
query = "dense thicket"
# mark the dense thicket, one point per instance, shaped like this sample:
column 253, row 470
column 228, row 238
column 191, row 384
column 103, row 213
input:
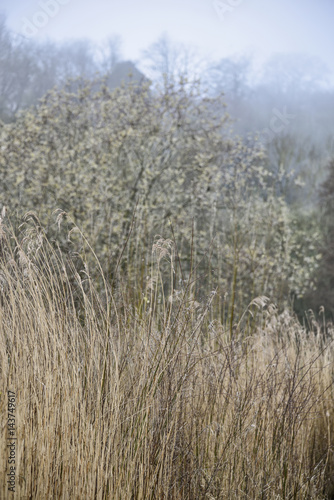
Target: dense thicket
column 324, row 278
column 97, row 155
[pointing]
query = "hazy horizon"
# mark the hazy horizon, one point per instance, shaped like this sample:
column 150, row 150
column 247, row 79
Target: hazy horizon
column 216, row 28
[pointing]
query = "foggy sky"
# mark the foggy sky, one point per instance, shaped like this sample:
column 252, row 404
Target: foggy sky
column 256, row 27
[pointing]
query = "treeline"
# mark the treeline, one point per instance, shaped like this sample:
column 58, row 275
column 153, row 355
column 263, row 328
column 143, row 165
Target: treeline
column 29, row 69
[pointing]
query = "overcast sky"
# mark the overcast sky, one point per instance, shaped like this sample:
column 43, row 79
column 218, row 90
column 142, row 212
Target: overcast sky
column 218, row 28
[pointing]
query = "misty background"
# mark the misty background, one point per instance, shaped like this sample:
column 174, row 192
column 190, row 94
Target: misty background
column 267, row 58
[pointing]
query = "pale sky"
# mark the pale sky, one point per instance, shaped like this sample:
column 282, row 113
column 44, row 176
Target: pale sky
column 257, row 27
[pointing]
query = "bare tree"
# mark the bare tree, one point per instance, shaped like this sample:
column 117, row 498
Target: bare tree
column 166, row 61
column 110, row 54
column 17, row 67
column 294, row 73
column 231, row 76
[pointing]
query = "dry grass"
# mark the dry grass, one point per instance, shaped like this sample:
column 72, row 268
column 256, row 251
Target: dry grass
column 155, row 400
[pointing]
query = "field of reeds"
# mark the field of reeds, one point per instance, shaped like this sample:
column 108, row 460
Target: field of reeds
column 153, row 394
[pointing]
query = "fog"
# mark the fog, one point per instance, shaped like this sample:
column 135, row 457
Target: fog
column 217, row 28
